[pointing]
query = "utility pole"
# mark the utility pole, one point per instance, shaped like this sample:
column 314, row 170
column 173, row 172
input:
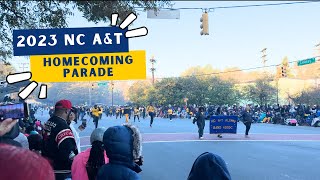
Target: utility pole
column 90, row 94
column 277, row 91
column 264, row 59
column 318, row 51
column 278, row 75
column 152, row 60
column 317, row 55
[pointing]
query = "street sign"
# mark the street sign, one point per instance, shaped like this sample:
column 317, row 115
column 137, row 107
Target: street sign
column 223, row 124
column 306, row 61
column 103, row 84
column 163, row 14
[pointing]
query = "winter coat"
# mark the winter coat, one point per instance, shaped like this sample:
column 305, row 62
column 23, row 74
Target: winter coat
column 200, row 119
column 247, row 117
column 78, row 168
column 123, row 146
column 209, row 166
column 59, row 143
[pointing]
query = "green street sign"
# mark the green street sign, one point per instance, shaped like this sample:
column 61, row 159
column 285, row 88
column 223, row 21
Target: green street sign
column 103, row 84
column 306, row 61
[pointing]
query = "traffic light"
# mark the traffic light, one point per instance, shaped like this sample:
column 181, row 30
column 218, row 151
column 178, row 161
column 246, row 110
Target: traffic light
column 279, row 72
column 204, row 24
column 283, row 71
column 92, row 86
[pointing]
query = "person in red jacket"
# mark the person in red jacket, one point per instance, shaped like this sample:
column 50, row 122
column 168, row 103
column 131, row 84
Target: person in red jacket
column 59, row 142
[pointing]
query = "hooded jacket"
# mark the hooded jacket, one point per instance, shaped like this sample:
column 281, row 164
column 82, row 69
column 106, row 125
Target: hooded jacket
column 123, row 146
column 209, row 166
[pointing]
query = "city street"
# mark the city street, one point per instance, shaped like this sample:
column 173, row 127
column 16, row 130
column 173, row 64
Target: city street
column 272, row 151
column 235, row 63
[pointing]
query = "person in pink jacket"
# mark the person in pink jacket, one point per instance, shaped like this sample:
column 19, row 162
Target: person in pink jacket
column 85, row 165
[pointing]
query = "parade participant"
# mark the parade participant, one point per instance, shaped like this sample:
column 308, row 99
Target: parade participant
column 118, row 112
column 107, row 111
column 59, row 143
column 188, row 112
column 121, row 112
column 219, row 113
column 151, row 112
column 82, row 112
column 123, row 145
column 85, row 165
column 129, row 111
column 209, row 166
column 111, row 111
column 200, row 119
column 126, row 112
column 136, row 114
column 143, row 112
column 100, row 111
column 170, row 111
column 96, row 115
column 247, row 120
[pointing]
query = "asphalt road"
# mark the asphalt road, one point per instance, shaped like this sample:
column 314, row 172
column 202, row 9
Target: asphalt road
column 168, row 156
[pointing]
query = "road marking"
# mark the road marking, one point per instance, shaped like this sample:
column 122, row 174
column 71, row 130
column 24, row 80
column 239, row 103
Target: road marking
column 177, row 141
column 85, row 146
column 232, row 140
column 228, row 134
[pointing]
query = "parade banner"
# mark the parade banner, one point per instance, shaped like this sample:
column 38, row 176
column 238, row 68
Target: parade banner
column 223, row 124
column 89, row 67
column 78, row 54
column 69, row 41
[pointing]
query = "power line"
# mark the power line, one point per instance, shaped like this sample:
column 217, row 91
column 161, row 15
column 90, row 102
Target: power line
column 261, row 5
column 232, row 7
column 238, row 70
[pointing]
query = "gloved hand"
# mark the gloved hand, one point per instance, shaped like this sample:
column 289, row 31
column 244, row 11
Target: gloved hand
column 194, row 120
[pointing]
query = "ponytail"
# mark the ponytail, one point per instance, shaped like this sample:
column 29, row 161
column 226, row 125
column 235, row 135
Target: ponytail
column 96, row 159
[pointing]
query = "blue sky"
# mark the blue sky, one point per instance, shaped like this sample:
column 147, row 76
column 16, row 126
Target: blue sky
column 236, row 35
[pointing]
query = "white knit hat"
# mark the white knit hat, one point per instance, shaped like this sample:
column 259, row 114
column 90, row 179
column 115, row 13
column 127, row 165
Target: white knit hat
column 97, row 135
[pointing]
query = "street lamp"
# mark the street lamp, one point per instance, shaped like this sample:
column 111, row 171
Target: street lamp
column 112, row 87
column 318, row 50
column 152, row 60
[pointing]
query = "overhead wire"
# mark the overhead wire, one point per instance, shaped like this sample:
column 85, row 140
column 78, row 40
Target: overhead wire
column 237, row 6
column 232, row 7
column 231, row 71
